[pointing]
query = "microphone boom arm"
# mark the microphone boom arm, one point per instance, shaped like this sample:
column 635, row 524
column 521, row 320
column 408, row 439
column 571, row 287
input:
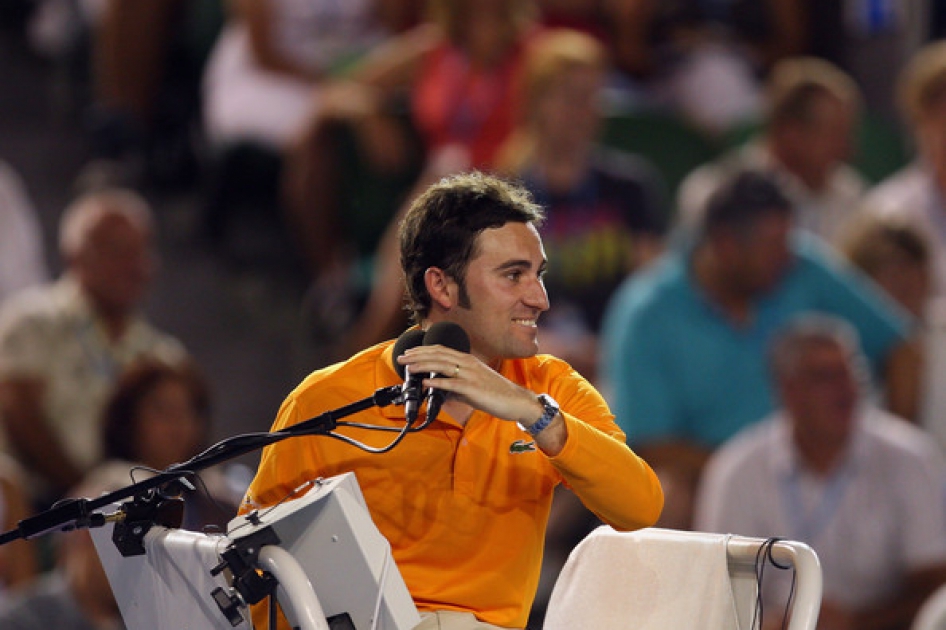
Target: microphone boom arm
column 80, row 513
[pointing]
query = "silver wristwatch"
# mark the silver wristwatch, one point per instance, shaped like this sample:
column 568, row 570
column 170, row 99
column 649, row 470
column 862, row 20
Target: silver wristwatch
column 551, row 410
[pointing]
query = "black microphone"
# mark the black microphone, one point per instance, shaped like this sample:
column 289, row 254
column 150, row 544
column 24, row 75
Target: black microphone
column 449, row 335
column 412, row 390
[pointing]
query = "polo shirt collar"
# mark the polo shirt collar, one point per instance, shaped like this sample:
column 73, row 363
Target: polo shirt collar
column 385, row 376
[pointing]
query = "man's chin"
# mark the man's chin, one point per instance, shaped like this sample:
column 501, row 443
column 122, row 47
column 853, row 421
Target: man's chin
column 528, row 350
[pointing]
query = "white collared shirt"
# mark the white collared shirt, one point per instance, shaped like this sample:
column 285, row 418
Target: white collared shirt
column 51, row 333
column 881, row 513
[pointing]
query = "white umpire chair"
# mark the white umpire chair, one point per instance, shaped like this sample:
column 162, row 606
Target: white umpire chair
column 660, row 579
column 329, row 560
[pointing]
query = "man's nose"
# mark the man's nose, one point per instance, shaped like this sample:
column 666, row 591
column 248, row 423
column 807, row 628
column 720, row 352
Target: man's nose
column 537, row 296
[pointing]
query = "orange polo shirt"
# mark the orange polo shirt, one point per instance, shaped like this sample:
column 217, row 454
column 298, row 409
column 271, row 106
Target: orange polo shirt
column 464, row 507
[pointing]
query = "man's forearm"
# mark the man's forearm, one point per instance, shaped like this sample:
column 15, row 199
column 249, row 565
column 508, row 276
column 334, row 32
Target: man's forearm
column 44, row 452
column 32, row 437
column 610, row 479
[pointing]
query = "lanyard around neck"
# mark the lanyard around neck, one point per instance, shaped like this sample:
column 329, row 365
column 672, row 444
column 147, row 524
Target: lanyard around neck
column 807, row 525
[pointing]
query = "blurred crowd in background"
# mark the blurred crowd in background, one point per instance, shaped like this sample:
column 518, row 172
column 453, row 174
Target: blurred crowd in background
column 714, row 172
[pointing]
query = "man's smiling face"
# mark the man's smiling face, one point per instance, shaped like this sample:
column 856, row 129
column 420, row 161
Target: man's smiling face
column 504, row 293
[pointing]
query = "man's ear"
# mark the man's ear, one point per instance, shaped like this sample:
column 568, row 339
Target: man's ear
column 443, row 290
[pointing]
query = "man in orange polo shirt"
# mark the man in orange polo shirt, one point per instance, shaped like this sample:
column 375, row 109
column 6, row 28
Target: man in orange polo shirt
column 465, row 502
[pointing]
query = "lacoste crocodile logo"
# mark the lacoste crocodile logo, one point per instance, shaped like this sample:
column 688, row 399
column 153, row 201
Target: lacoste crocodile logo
column 521, row 446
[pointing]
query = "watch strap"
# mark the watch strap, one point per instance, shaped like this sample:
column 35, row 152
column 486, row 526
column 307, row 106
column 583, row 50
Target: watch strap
column 551, row 410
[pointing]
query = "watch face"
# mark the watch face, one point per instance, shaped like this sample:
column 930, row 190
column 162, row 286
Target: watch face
column 551, row 407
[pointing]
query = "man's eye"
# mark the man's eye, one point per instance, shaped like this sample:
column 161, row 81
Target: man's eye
column 514, row 275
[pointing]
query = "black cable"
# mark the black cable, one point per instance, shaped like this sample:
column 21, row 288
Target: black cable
column 272, row 621
column 225, row 444
column 759, row 567
column 764, row 556
column 791, row 588
column 372, row 449
column 374, row 427
column 252, row 438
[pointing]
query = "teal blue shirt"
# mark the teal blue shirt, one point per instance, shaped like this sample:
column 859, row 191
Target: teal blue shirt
column 677, row 368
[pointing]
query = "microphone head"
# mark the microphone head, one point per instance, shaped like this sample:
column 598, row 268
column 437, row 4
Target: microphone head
column 407, row 340
column 448, row 335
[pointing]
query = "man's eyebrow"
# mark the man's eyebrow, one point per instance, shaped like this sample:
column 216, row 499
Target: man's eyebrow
column 520, row 263
column 514, row 263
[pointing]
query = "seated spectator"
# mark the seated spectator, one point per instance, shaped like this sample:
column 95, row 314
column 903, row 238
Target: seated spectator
column 131, row 43
column 604, row 208
column 698, row 60
column 898, row 257
column 458, row 73
column 262, row 81
column 265, row 81
column 807, row 135
column 862, row 487
column 684, row 341
column 22, row 251
column 871, row 41
column 75, row 594
column 62, row 345
column 159, row 415
column 895, row 255
column 142, row 59
column 915, row 194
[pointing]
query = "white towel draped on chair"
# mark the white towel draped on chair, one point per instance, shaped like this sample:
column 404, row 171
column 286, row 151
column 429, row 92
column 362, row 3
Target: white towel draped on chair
column 651, row 582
